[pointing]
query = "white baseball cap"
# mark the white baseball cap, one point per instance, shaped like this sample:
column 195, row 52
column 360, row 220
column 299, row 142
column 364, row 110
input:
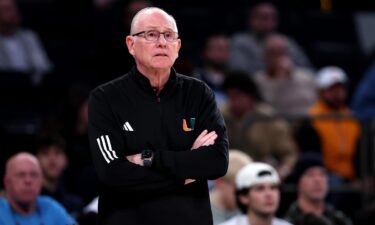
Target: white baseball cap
column 256, row 173
column 330, row 75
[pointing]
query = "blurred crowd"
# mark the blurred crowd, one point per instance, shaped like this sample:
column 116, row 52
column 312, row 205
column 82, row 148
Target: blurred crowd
column 298, row 103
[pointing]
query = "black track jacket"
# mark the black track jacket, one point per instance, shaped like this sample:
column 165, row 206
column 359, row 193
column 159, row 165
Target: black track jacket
column 125, row 116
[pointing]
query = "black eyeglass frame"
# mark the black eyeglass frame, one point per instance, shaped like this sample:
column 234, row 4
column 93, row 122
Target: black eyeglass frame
column 163, row 33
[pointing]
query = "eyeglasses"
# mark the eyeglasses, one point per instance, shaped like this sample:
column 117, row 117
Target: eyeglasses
column 153, row 35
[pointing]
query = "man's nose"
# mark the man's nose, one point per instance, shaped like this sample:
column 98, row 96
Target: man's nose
column 28, row 179
column 162, row 39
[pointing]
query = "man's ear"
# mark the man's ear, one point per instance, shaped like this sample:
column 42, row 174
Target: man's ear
column 130, row 44
column 178, row 46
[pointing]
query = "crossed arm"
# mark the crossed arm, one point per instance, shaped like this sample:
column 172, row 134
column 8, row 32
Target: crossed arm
column 204, row 139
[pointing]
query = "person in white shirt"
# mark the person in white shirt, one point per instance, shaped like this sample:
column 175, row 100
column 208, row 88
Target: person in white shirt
column 258, row 196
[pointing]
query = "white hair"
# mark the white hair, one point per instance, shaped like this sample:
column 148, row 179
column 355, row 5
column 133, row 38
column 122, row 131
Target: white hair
column 150, row 10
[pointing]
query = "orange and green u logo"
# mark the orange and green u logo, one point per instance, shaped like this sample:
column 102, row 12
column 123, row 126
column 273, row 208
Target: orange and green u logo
column 185, row 126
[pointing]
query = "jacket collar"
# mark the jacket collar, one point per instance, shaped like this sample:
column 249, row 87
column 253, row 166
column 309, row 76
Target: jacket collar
column 143, row 82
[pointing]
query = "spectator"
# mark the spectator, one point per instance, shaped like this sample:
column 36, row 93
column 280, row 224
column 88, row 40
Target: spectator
column 222, row 196
column 22, row 203
column 333, row 130
column 71, row 122
column 253, row 126
column 310, row 176
column 287, row 88
column 20, row 49
column 53, row 161
column 258, row 196
column 247, row 52
column 215, row 60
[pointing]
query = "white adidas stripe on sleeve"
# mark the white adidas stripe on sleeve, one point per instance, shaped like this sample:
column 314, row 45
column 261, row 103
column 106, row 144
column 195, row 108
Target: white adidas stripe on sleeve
column 106, row 148
column 101, row 150
column 110, row 147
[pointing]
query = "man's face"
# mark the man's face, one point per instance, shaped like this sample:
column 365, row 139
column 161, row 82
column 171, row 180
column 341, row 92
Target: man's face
column 313, row 184
column 217, row 51
column 9, row 14
column 334, row 96
column 263, row 198
column 153, row 55
column 276, row 52
column 240, row 102
column 263, row 19
column 53, row 161
column 23, row 181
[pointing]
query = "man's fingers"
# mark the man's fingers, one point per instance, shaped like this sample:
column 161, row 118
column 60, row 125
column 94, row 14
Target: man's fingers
column 210, row 141
column 202, row 134
column 207, row 137
column 188, row 181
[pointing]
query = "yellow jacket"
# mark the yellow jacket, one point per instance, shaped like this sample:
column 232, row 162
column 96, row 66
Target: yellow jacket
column 338, row 137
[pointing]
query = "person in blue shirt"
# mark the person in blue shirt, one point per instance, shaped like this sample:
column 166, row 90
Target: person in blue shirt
column 22, row 203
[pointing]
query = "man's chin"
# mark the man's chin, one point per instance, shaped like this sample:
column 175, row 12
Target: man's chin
column 26, row 202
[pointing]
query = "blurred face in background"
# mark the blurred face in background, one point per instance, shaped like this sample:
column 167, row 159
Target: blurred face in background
column 23, row 179
column 263, row 19
column 334, row 96
column 277, row 55
column 240, row 102
column 53, row 161
column 262, row 199
column 216, row 53
column 9, row 14
column 313, row 184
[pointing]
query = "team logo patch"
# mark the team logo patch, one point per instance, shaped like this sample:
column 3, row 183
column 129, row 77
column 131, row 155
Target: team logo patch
column 185, row 126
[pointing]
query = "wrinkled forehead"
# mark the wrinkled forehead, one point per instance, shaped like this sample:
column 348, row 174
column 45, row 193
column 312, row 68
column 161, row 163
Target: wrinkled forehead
column 155, row 20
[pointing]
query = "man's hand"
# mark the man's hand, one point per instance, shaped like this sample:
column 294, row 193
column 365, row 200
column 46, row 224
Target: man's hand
column 136, row 159
column 204, row 139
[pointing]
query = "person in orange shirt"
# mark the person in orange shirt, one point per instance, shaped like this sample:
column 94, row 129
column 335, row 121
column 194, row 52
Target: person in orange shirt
column 332, row 129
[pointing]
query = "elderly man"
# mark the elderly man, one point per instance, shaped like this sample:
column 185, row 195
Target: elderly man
column 156, row 136
column 22, row 204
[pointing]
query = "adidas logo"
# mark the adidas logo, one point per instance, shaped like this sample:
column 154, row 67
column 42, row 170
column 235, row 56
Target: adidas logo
column 127, row 127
